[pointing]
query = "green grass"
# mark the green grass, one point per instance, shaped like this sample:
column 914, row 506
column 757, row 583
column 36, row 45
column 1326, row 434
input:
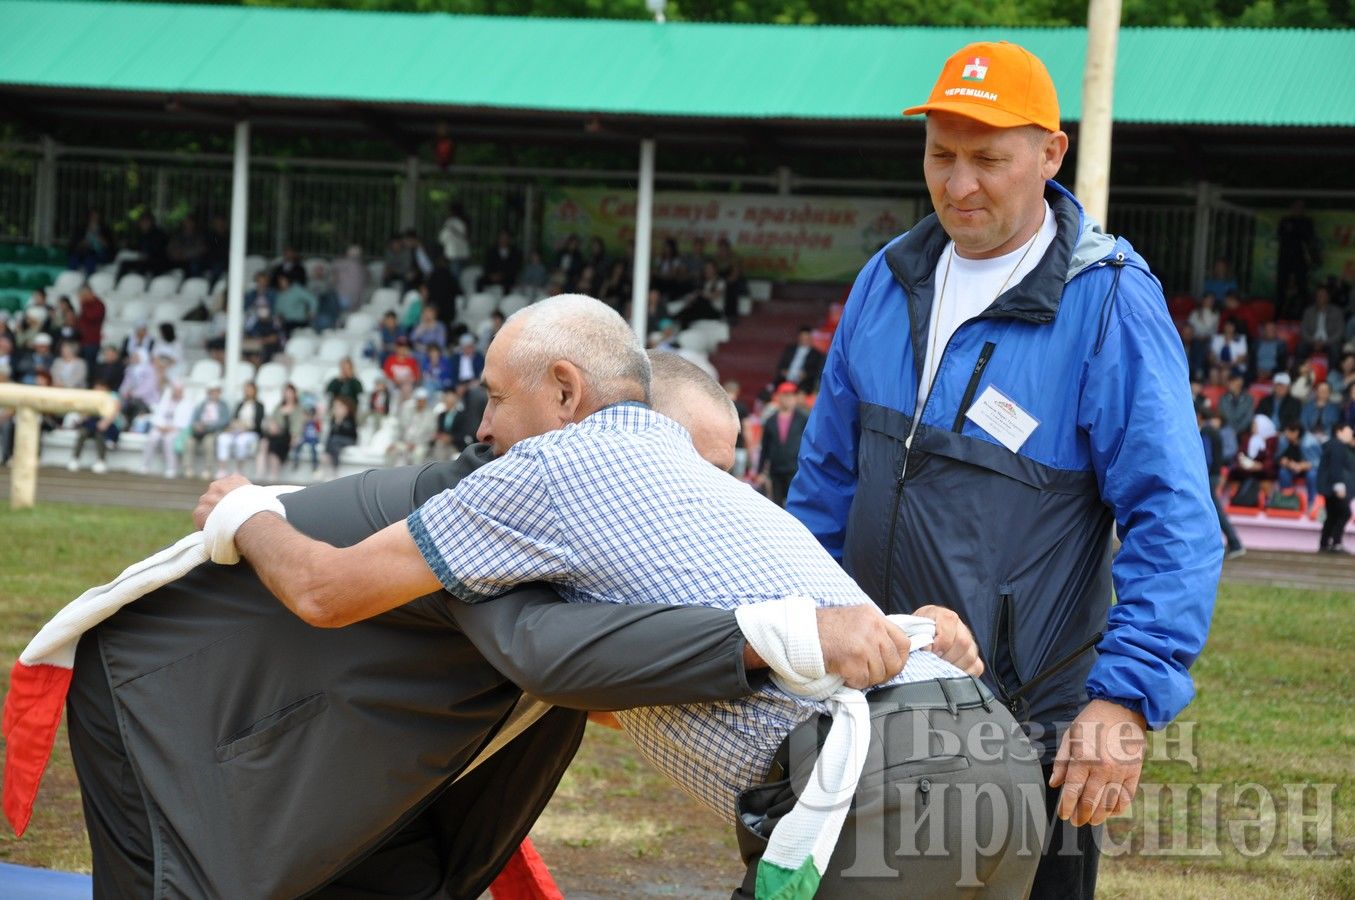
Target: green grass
column 1273, row 708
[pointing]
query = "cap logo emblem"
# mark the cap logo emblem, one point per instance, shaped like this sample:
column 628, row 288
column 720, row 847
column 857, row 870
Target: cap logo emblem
column 976, row 69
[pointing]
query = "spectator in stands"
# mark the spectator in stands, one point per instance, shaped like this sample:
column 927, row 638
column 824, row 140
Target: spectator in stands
column 151, row 248
column 38, row 359
column 420, row 262
column 669, row 277
column 350, row 277
column 533, row 278
column 6, row 416
column 1280, row 406
column 708, row 303
column 1321, row 414
column 108, row 369
column 455, row 239
column 666, row 337
column 1254, row 465
column 281, row 431
column 210, row 418
column 312, row 426
column 169, row 419
column 1350, row 405
column 240, row 439
column 36, row 320
column 295, row 305
column 694, row 263
column 1343, row 377
column 401, row 367
column 1197, row 352
column 343, row 433
column 91, row 244
column 7, row 341
column 586, row 283
column 345, row 384
column 503, row 262
column 387, row 333
column 416, row 425
column 1228, row 351
column 781, row 435
column 1271, row 354
column 218, row 243
column 736, row 287
column 262, row 290
column 378, row 404
column 1297, row 459
column 1304, row 382
column 104, row 430
column 92, row 313
column 139, row 340
column 440, row 291
column 1298, row 253
column 141, row 386
column 1214, row 459
column 470, row 411
column 741, row 442
column 1220, row 280
column 69, row 370
column 1237, row 407
column 488, row 331
column 437, row 370
column 1205, row 318
column 188, row 248
column 597, row 255
column 616, row 288
column 67, row 322
column 395, row 264
column 443, row 449
column 263, row 334
column 569, row 261
column 1336, row 479
column 167, row 345
column 801, row 363
column 409, row 314
column 469, row 362
column 291, row 267
column 1323, row 327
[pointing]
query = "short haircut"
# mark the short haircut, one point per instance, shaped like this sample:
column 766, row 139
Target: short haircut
column 588, row 333
column 675, row 378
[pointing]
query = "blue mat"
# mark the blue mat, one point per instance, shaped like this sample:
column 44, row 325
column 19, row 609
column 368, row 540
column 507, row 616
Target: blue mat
column 43, row 884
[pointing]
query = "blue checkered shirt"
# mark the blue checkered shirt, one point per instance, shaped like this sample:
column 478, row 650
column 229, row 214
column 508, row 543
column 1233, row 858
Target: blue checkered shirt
column 620, row 508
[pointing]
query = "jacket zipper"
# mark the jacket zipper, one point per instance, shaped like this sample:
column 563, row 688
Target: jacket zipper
column 984, row 355
column 1059, row 666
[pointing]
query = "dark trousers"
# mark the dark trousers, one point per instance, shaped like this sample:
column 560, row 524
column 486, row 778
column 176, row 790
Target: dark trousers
column 1338, row 516
column 1069, row 865
column 780, row 486
column 939, row 812
column 1225, row 524
column 453, row 847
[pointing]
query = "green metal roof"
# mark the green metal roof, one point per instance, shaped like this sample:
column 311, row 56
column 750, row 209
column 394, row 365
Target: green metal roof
column 1168, row 76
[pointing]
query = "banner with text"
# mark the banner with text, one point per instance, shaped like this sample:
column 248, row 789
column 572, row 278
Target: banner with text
column 778, row 237
column 1334, row 234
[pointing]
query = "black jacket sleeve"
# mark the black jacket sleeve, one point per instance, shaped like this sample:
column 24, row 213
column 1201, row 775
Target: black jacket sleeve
column 607, row 656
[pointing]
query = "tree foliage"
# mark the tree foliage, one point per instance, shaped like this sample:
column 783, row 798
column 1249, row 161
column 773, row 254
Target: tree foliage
column 1172, row 13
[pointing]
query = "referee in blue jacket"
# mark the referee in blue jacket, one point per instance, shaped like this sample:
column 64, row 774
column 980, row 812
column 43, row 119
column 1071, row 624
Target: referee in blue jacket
column 1004, row 386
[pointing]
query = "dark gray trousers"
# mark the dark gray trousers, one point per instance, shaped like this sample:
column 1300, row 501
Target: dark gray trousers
column 951, row 801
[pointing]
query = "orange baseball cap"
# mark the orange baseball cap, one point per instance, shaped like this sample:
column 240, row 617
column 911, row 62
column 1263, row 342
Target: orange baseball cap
column 1000, row 84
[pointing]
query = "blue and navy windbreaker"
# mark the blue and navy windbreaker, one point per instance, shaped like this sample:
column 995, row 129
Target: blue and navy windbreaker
column 1019, row 543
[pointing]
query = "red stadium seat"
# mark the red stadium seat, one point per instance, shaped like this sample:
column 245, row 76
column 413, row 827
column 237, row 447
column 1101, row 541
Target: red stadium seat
column 1289, row 332
column 1260, row 391
column 1212, row 393
column 1272, row 513
column 1180, row 306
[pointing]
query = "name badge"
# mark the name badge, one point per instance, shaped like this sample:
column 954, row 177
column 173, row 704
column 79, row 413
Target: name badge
column 996, row 414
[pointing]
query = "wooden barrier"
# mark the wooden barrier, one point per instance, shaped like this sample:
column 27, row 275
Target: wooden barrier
column 29, row 403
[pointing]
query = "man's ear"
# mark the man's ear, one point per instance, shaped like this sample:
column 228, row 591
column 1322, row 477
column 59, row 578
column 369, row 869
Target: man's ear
column 565, row 381
column 1055, row 148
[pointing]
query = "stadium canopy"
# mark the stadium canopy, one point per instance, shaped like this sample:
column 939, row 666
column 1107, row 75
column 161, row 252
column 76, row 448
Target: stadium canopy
column 400, row 76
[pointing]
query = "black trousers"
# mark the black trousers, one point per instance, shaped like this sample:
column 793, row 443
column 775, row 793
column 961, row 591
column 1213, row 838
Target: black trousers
column 453, row 847
column 780, row 486
column 1071, row 857
column 950, row 802
column 1338, row 516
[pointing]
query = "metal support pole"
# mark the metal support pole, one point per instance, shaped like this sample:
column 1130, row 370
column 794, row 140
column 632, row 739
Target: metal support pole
column 44, row 209
column 783, row 180
column 644, row 232
column 409, row 195
column 235, row 280
column 1098, row 94
column 1199, row 248
column 161, row 194
column 284, row 212
column 528, row 215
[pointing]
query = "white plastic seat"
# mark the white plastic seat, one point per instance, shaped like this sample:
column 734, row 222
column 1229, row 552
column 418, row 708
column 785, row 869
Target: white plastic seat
column 167, row 311
column 242, row 374
column 760, row 289
column 701, row 360
column 204, row 371
column 478, row 308
column 194, row 289
column 377, row 269
column 310, row 377
column 302, row 347
column 163, row 286
column 370, row 377
column 470, row 275
column 271, row 398
column 253, row 266
column 67, row 283
column 512, row 303
column 131, row 283
column 271, row 375
column 694, row 342
column 134, row 310
column 333, row 348
column 715, row 333
column 101, row 283
column 383, row 300
column 360, row 324
column 311, row 263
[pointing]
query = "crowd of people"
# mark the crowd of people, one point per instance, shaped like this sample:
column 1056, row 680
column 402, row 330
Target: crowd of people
column 1276, row 415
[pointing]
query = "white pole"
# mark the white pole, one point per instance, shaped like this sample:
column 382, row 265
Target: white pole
column 1098, row 93
column 235, row 279
column 409, row 194
column 644, row 233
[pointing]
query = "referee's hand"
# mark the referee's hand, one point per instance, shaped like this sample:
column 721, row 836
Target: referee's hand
column 860, row 645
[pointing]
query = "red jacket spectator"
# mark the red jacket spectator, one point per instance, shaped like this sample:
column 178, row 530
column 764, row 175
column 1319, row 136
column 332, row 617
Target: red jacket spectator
column 401, row 366
column 91, row 324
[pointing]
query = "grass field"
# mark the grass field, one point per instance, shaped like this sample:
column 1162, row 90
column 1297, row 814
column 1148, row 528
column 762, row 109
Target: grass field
column 1274, row 708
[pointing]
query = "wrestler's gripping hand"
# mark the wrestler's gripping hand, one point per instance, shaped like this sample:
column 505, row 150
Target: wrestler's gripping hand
column 954, row 641
column 860, row 645
column 215, row 491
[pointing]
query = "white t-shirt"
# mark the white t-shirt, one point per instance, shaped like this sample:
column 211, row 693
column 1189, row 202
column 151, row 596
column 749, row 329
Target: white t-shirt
column 971, row 287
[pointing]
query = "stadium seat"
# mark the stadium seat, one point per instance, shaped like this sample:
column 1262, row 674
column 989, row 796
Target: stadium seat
column 194, row 289
column 271, row 375
column 254, row 265
column 760, row 289
column 243, row 374
column 167, row 311
column 163, row 286
column 1259, row 392
column 302, row 347
column 512, row 303
column 360, row 324
column 313, row 263
column 470, row 275
column 478, row 308
column 131, row 283
column 101, row 283
column 68, row 283
column 383, row 300
column 8, row 252
column 377, row 269
column 134, row 310
column 333, row 349
column 716, row 333
column 1212, row 393
column 311, row 377
column 205, row 371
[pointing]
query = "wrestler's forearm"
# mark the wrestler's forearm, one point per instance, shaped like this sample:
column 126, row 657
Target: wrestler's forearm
column 330, row 587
